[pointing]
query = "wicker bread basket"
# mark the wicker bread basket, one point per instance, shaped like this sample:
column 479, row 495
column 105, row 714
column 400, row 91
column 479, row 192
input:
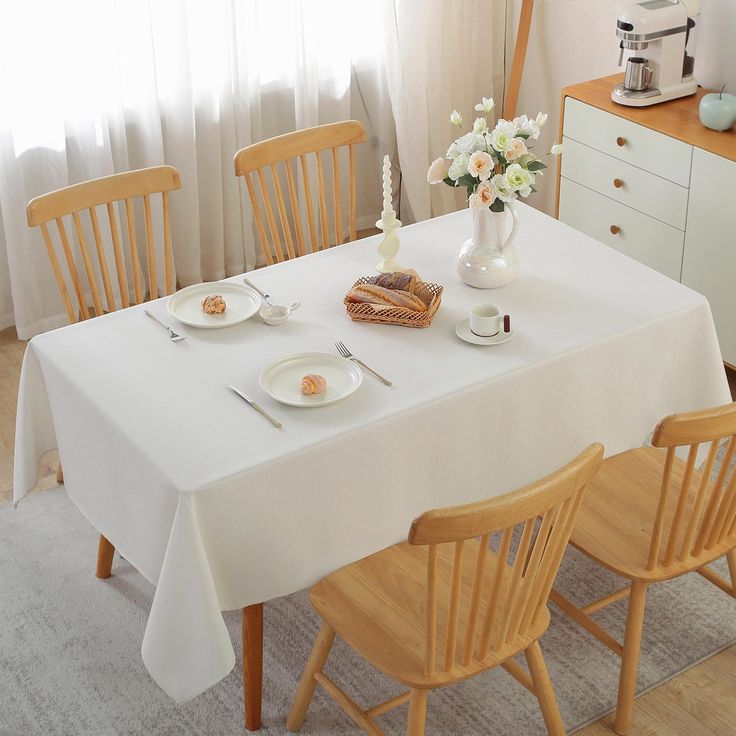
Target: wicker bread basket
column 430, row 294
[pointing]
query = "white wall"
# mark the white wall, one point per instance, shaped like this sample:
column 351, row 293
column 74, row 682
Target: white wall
column 575, row 40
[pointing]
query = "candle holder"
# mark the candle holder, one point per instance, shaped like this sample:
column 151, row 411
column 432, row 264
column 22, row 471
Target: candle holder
column 389, row 246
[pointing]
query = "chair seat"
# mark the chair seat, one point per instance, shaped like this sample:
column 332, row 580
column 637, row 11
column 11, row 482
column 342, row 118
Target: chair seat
column 616, row 518
column 377, row 605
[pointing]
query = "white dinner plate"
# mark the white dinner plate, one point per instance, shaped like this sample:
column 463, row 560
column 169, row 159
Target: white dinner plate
column 241, row 302
column 282, row 379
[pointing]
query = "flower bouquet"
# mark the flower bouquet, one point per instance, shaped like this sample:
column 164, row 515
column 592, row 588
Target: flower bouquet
column 496, row 166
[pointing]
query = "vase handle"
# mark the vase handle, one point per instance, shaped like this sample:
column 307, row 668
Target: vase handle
column 511, row 206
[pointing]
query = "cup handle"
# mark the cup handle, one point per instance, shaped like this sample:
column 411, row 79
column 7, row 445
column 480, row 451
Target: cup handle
column 647, row 75
column 511, row 206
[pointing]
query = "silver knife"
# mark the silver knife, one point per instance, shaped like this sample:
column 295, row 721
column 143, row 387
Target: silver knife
column 252, row 403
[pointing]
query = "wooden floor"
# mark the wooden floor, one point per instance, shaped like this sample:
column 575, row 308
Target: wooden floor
column 700, row 702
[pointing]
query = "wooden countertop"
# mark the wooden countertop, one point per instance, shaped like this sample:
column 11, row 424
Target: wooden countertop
column 676, row 118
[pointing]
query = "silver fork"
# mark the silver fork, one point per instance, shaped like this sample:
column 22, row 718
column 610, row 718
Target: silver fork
column 340, row 345
column 172, row 335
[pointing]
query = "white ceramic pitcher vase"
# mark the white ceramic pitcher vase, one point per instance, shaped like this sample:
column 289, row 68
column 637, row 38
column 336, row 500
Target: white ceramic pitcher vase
column 489, row 259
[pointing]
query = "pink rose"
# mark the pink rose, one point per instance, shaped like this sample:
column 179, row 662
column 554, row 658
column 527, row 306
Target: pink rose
column 484, row 195
column 437, row 171
column 480, row 165
column 516, row 149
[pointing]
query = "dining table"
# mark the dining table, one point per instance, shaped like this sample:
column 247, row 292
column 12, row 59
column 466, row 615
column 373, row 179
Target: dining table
column 221, row 510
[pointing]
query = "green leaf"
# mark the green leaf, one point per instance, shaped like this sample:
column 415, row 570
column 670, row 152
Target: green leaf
column 525, row 136
column 449, row 182
column 536, row 165
column 466, row 180
column 497, row 205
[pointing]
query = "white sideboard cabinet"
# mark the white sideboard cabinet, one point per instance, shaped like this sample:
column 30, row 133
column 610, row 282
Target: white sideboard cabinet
column 656, row 185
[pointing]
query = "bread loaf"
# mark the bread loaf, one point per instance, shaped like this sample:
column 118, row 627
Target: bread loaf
column 398, row 280
column 372, row 294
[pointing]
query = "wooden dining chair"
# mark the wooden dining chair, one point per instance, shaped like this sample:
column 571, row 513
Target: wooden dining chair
column 649, row 517
column 454, row 600
column 79, row 202
column 277, row 169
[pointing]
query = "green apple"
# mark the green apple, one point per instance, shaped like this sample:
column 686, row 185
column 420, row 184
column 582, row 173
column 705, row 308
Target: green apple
column 718, row 110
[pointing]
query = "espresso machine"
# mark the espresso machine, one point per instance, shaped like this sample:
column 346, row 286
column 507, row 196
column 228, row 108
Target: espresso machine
column 659, row 36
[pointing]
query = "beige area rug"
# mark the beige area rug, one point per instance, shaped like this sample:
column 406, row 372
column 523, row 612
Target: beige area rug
column 70, row 649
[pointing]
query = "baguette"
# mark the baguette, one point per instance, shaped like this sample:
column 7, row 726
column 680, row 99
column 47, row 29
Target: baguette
column 372, row 294
column 396, row 281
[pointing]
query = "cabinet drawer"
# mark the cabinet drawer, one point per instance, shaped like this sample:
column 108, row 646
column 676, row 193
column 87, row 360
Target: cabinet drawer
column 649, row 241
column 625, row 183
column 627, row 141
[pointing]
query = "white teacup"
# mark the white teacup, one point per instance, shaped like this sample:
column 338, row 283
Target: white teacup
column 486, row 320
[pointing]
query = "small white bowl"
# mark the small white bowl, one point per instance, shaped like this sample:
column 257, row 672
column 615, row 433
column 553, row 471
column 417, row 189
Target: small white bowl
column 275, row 314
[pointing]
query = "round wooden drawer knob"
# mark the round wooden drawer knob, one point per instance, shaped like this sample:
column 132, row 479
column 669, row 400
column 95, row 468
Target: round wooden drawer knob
column 620, row 141
column 615, row 229
column 618, row 183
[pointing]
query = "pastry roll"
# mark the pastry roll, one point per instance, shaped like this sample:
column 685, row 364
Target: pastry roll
column 214, row 304
column 313, row 383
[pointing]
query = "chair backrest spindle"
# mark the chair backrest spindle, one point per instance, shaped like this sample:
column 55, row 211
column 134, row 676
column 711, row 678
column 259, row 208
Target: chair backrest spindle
column 695, row 513
column 291, row 241
column 85, row 197
column 506, row 595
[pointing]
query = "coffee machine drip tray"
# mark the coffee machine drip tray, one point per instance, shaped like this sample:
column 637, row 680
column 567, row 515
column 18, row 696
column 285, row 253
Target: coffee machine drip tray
column 624, row 96
column 620, row 91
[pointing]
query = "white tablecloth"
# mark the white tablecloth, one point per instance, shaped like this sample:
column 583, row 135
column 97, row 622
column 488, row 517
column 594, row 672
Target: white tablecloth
column 221, row 510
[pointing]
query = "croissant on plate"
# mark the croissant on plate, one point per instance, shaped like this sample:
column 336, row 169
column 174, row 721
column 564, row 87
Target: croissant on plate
column 214, row 304
column 313, row 383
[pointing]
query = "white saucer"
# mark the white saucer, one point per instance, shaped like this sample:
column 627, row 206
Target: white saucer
column 462, row 330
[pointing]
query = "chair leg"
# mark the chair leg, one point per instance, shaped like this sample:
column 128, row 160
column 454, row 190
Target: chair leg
column 253, row 665
column 105, row 553
column 545, row 693
column 417, row 713
column 731, row 559
column 630, row 659
column 307, row 685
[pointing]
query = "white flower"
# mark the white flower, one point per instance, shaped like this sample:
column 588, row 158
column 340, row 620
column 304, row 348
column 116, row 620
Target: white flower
column 437, row 171
column 504, row 191
column 518, row 178
column 470, row 142
column 515, row 149
column 452, row 152
column 459, row 167
column 541, row 118
column 556, row 150
column 456, row 118
column 480, row 164
column 480, row 125
column 485, row 105
column 502, row 135
column 528, row 127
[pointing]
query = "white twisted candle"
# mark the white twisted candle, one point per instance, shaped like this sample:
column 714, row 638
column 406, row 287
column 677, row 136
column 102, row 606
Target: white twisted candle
column 388, row 208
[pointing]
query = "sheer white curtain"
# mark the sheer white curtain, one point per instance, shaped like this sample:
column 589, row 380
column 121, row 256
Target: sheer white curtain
column 440, row 55
column 90, row 88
